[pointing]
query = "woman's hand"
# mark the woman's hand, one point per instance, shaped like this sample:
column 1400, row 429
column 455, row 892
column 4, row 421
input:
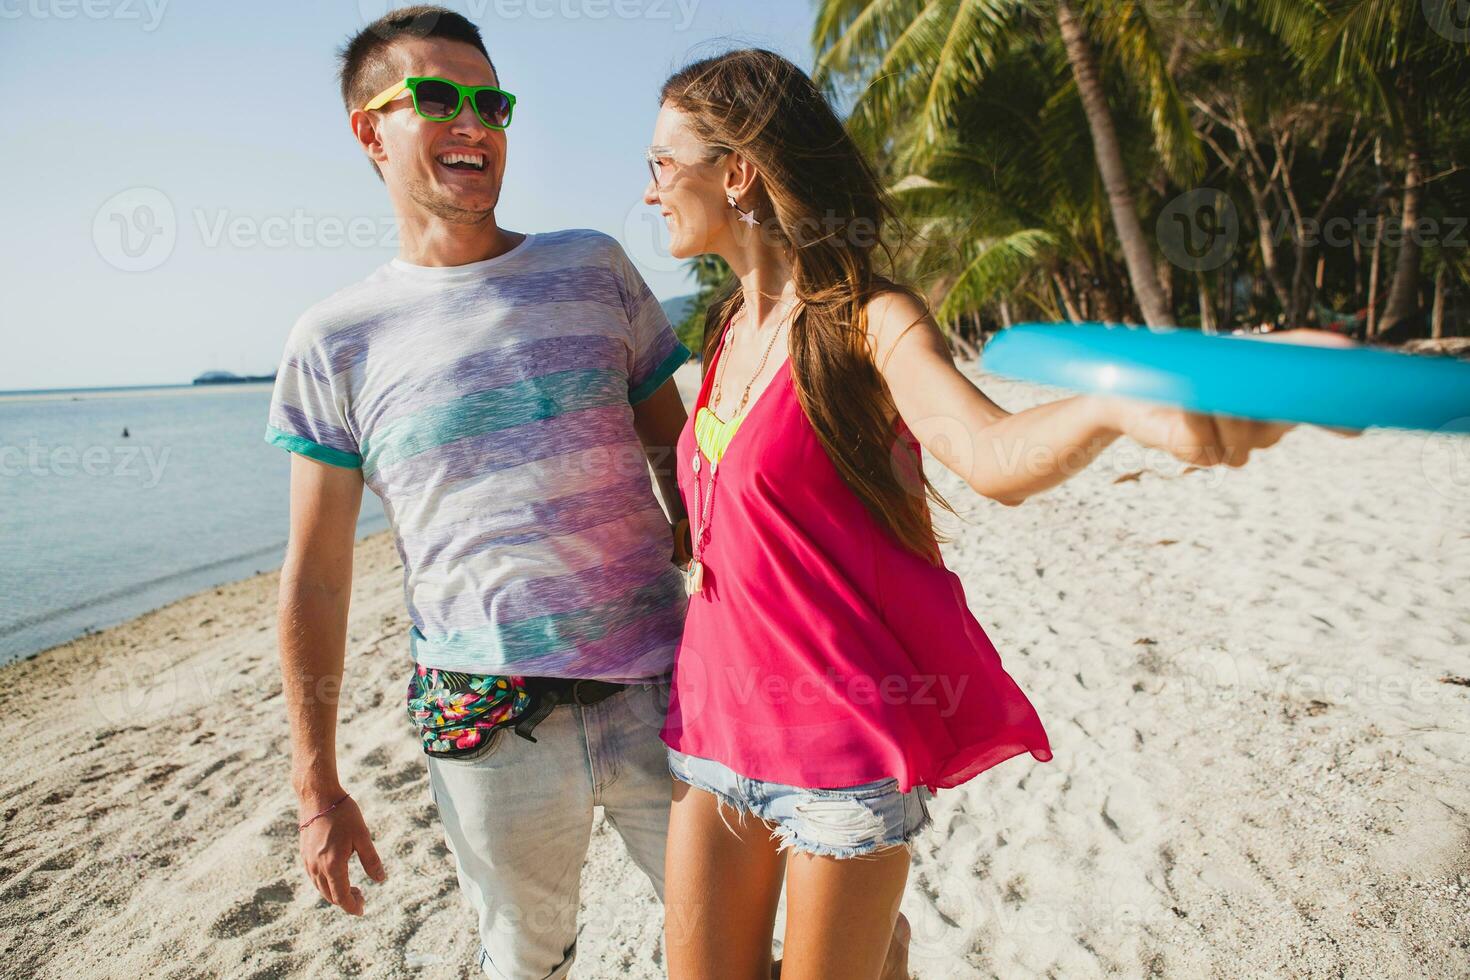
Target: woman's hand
column 1194, row 437
column 1209, row 440
column 1203, row 439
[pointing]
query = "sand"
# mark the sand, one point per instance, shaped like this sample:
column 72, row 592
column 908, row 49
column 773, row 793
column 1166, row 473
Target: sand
column 1254, row 682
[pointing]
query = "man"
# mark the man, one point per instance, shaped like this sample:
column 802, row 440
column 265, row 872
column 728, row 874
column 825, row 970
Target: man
column 503, row 394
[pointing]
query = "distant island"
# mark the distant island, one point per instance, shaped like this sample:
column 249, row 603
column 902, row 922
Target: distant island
column 229, row 378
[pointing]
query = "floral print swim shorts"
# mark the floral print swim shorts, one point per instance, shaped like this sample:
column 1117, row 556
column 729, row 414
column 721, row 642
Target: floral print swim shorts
column 456, row 712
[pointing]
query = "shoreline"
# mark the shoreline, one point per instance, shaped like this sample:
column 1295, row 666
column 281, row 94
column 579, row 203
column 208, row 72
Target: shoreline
column 1248, row 680
column 121, row 606
column 129, row 391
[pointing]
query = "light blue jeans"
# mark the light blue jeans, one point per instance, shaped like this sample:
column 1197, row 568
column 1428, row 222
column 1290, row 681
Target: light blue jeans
column 517, row 817
column 843, row 823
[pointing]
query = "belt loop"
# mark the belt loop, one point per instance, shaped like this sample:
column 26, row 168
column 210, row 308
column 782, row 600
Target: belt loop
column 546, row 699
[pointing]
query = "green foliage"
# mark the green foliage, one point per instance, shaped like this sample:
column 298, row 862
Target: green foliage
column 1299, row 112
column 713, row 277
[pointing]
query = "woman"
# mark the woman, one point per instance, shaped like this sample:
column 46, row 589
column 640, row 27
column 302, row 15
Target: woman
column 831, row 675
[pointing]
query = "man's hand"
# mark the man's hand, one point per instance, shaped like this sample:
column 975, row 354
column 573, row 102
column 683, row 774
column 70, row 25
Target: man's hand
column 329, row 842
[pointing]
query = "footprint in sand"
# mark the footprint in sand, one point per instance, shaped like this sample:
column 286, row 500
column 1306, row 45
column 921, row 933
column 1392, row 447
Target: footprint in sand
column 213, row 768
column 159, row 775
column 377, row 757
column 402, row 777
column 264, row 907
column 276, row 971
column 60, row 861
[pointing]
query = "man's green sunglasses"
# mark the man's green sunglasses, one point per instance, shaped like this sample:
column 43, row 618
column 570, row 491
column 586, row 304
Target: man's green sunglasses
column 440, row 99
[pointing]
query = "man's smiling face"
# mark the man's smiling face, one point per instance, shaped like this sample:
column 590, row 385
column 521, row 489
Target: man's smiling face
column 452, row 169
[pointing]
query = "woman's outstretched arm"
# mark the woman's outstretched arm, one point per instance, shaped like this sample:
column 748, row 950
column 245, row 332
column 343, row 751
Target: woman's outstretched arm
column 1009, row 456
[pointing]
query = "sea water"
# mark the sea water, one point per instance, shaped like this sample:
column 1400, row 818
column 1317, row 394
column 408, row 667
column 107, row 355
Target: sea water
column 96, row 527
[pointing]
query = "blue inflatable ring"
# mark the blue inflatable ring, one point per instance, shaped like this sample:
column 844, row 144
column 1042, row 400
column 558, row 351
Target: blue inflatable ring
column 1347, row 388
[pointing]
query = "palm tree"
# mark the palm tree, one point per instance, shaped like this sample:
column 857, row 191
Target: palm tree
column 712, row 277
column 1002, row 210
column 922, row 58
column 1405, row 72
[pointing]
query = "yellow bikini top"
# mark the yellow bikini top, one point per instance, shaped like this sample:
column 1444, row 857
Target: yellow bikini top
column 713, row 435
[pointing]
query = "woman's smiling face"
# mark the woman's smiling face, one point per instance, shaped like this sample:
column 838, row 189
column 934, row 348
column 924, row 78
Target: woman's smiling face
column 690, row 188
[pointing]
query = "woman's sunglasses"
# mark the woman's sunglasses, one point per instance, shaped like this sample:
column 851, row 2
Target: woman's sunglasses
column 661, row 159
column 440, row 99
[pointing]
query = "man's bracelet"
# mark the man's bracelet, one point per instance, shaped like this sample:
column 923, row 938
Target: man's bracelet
column 323, row 813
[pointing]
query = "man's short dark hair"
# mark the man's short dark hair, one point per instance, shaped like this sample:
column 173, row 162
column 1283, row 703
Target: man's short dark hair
column 365, row 65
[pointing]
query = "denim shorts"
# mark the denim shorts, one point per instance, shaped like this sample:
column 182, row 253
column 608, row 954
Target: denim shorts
column 849, row 822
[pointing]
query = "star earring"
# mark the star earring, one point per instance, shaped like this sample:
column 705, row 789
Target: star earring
column 746, row 217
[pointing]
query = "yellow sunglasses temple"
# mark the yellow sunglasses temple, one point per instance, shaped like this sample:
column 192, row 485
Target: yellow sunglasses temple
column 387, row 95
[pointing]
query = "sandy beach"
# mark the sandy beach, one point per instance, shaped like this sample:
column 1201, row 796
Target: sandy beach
column 1255, row 683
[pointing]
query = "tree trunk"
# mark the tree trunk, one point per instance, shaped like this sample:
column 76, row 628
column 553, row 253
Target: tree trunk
column 1110, row 165
column 1436, row 318
column 1207, row 321
column 1402, row 300
column 1227, row 314
column 1069, row 303
column 1374, row 265
column 1296, row 314
column 1166, row 284
column 1005, row 313
column 1357, row 270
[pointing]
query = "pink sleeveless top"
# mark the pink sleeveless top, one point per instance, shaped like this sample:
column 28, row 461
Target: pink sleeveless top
column 822, row 653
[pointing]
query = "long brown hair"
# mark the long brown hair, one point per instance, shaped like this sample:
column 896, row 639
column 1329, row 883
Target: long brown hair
column 820, row 201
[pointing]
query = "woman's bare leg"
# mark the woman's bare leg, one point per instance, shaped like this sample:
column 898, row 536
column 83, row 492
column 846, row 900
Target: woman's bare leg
column 841, row 915
column 720, row 891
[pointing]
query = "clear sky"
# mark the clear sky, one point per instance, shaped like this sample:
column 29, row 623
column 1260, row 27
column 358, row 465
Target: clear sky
column 179, row 182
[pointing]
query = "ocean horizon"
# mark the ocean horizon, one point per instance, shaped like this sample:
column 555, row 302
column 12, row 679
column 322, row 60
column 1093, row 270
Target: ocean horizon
column 100, row 527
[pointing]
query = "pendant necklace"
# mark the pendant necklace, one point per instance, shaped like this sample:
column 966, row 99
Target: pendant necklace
column 704, row 498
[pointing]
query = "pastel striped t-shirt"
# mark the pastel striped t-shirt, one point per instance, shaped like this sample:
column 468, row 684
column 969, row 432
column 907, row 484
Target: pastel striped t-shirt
column 490, row 407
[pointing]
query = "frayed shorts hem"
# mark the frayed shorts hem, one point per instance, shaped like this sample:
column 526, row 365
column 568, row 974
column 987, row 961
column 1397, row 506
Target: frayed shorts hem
column 853, row 822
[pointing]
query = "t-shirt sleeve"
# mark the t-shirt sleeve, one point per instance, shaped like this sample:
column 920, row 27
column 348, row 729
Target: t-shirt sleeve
column 654, row 350
column 308, row 411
